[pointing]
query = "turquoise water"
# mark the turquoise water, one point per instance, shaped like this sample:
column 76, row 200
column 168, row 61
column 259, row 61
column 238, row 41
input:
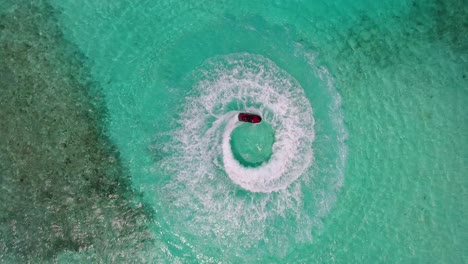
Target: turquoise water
column 359, row 159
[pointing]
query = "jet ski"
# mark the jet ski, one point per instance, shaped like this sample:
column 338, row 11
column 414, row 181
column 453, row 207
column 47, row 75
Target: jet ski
column 251, row 118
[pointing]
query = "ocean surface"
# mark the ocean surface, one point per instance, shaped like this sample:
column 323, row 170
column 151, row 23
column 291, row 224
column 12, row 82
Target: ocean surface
column 119, row 139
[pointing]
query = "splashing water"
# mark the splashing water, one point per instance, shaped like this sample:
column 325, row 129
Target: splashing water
column 252, row 81
column 209, row 185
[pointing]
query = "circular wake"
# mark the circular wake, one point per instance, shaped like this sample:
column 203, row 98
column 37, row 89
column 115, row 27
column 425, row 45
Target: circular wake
column 256, row 84
column 214, row 197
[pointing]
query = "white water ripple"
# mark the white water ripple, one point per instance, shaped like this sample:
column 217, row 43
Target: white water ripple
column 206, row 179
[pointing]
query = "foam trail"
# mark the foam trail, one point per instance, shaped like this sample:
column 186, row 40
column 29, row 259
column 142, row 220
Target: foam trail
column 258, row 86
column 205, row 176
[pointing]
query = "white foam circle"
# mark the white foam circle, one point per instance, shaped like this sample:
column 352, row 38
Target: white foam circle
column 204, row 187
column 254, row 84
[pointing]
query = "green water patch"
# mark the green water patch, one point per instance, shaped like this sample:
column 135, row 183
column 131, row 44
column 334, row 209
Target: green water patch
column 400, row 67
column 402, row 77
column 252, row 143
column 444, row 21
column 190, row 189
column 62, row 185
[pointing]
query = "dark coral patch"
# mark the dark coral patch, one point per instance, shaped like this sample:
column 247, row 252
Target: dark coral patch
column 63, row 187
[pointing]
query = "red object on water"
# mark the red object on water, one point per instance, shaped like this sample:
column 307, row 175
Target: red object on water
column 251, row 118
